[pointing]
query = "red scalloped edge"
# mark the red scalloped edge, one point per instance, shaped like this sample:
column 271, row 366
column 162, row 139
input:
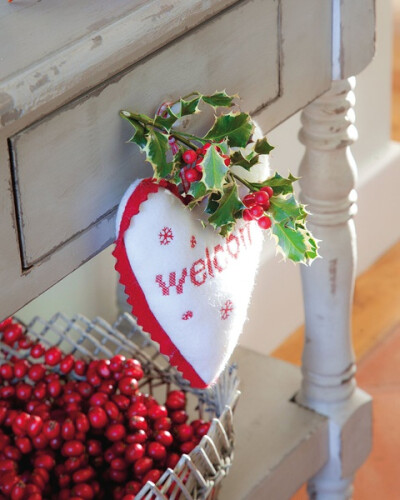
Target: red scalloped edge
column 136, row 296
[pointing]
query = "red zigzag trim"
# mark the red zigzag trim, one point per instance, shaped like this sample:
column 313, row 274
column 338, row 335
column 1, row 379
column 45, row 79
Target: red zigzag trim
column 136, row 297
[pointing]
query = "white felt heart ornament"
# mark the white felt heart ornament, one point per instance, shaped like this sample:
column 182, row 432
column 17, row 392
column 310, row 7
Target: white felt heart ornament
column 189, row 287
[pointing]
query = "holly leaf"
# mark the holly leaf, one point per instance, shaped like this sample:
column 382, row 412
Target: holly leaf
column 214, row 170
column 291, row 242
column 165, row 122
column 189, row 107
column 156, row 153
column 219, row 99
column 224, row 217
column 139, row 135
column 279, row 184
column 263, row 147
column 287, row 208
column 247, row 162
column 213, row 203
column 198, row 190
column 235, row 127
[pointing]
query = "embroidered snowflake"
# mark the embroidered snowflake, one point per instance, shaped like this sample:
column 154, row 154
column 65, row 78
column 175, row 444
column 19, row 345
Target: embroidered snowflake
column 226, row 309
column 193, row 241
column 187, row 315
column 165, row 236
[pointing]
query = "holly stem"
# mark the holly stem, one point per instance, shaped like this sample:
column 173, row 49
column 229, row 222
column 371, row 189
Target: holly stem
column 150, row 123
column 243, row 181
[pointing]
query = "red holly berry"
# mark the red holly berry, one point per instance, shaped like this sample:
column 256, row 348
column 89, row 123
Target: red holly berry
column 176, row 400
column 97, row 417
column 249, row 200
column 268, row 189
column 256, row 211
column 67, row 364
column 36, row 372
column 261, row 197
column 191, row 174
column 264, row 222
column 142, row 466
column 115, row 432
column 53, row 356
column 72, row 448
column 37, row 351
column 12, row 333
column 189, row 156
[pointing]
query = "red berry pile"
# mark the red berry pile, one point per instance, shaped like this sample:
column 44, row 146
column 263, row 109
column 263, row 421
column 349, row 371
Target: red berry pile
column 92, row 436
column 193, row 170
column 257, row 204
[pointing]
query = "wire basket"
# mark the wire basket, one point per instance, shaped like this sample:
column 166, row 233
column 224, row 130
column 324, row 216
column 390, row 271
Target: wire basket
column 198, row 474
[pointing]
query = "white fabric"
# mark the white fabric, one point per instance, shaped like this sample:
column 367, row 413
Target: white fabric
column 194, row 318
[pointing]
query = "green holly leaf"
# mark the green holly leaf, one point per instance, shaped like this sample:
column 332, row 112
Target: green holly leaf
column 235, row 127
column 139, row 135
column 246, row 162
column 279, row 184
column 198, row 190
column 287, row 208
column 213, row 203
column 156, row 153
column 224, row 147
column 219, row 99
column 263, row 147
column 167, row 122
column 291, row 242
column 214, row 170
column 189, row 107
column 224, row 217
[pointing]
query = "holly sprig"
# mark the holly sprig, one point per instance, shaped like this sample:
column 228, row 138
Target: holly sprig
column 201, row 167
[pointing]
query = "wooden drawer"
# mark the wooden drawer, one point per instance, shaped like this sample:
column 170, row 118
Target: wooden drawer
column 71, row 168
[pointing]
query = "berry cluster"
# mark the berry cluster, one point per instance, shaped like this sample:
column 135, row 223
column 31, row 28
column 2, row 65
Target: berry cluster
column 193, row 171
column 257, row 204
column 95, row 436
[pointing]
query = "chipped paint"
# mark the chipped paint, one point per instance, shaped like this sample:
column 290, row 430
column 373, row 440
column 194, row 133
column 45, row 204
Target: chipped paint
column 40, row 82
column 55, row 70
column 97, row 41
column 10, row 116
column 164, row 10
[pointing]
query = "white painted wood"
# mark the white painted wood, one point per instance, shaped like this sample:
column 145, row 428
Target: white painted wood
column 353, row 41
column 52, row 52
column 279, row 444
column 305, row 59
column 328, row 174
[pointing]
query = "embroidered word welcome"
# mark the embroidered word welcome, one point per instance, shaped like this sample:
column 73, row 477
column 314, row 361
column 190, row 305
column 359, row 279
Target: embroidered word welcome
column 214, row 262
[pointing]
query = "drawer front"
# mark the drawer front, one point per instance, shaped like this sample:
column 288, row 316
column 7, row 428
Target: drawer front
column 71, row 168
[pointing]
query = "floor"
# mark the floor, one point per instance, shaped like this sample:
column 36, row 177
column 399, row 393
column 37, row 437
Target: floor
column 376, row 338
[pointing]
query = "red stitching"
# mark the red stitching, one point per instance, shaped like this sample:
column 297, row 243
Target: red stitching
column 218, row 248
column 226, row 309
column 194, row 272
column 209, row 264
column 193, row 241
column 166, row 236
column 187, row 315
column 230, row 238
column 172, row 282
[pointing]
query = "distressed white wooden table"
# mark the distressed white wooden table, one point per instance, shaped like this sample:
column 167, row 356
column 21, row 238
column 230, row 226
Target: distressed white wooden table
column 66, row 68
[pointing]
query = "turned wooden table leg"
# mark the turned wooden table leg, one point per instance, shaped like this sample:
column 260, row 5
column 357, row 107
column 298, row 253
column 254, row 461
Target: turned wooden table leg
column 328, row 175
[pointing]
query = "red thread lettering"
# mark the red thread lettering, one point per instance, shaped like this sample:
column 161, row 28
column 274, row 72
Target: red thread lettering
column 209, row 264
column 172, row 282
column 228, row 246
column 194, row 272
column 217, row 264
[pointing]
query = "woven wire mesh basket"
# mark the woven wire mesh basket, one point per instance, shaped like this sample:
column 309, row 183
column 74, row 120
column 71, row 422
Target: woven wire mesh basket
column 197, row 475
